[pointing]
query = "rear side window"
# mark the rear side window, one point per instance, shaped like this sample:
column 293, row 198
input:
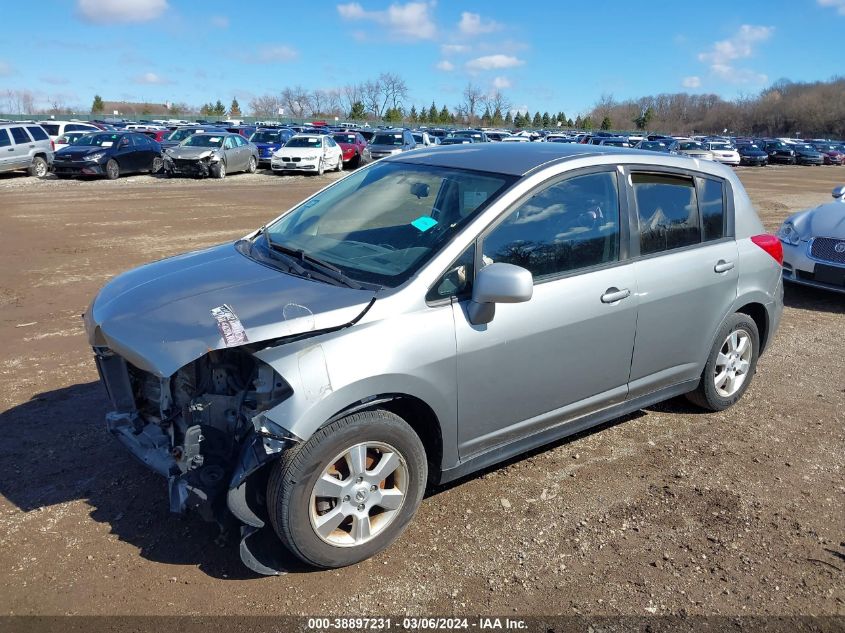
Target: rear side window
column 51, row 128
column 667, row 210
column 712, row 206
column 20, row 135
column 569, row 225
column 37, row 133
column 5, row 141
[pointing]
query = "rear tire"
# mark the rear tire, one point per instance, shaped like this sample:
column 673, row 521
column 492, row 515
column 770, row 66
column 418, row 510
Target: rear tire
column 38, row 167
column 729, row 368
column 321, row 168
column 339, row 163
column 385, row 446
column 156, row 165
column 252, row 166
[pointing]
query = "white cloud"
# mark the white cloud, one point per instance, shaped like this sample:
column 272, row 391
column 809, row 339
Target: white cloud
column 454, row 49
column 500, row 83
column 151, row 79
column 473, row 24
column 112, row 11
column 5, row 69
column 693, row 81
column 490, row 62
column 410, row 21
column 839, row 5
column 724, row 53
column 445, row 65
column 220, row 21
column 274, row 54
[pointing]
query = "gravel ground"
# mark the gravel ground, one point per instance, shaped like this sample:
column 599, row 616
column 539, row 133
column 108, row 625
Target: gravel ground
column 667, row 511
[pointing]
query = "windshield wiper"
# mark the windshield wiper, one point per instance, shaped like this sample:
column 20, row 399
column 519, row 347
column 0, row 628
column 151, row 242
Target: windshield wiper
column 324, row 268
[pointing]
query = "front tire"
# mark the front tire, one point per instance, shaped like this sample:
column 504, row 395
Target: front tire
column 38, row 168
column 112, row 169
column 219, row 170
column 156, row 165
column 349, row 491
column 339, row 163
column 730, row 365
column 321, row 168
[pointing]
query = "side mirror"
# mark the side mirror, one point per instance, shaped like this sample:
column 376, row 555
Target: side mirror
column 498, row 283
column 839, row 192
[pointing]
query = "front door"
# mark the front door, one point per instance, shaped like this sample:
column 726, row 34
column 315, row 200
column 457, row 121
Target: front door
column 22, row 146
column 568, row 350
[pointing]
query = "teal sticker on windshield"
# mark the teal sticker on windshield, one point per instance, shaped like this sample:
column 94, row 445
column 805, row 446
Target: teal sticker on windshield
column 424, row 223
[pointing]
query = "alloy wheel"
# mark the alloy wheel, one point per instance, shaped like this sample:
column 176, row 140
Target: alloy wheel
column 732, row 363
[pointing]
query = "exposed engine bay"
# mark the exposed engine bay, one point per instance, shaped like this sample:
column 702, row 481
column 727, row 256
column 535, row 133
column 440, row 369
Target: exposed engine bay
column 203, row 429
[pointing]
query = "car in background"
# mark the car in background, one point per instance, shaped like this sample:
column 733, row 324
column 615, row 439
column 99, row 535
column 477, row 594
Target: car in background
column 611, row 141
column 780, row 152
column 806, row 154
column 108, row 154
column 306, row 383
column 465, row 140
column 354, row 147
column 157, row 135
column 244, row 130
column 662, row 145
column 391, row 141
column 723, row 152
column 751, row 155
column 831, row 152
column 814, row 245
column 55, row 129
column 268, row 141
column 181, row 133
column 68, row 138
column 211, row 154
column 313, row 153
column 25, row 146
column 424, row 140
column 478, row 136
column 693, row 149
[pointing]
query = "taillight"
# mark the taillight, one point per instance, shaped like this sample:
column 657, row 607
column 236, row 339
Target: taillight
column 52, row 145
column 771, row 245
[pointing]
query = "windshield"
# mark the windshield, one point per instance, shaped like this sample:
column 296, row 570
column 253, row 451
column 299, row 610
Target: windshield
column 180, row 135
column 721, row 146
column 387, row 139
column 689, row 146
column 806, row 148
column 100, row 140
column 51, row 128
column 305, row 141
column 653, row 145
column 266, row 136
column 379, row 225
column 344, row 138
column 203, row 140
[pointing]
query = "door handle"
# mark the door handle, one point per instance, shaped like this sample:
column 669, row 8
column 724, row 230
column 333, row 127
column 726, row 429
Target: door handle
column 722, row 266
column 11, row 149
column 613, row 294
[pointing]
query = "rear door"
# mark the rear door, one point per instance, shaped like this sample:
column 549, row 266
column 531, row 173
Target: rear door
column 686, row 270
column 22, row 148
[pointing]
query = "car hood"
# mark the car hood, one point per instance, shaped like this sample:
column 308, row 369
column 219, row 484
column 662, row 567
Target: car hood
column 826, row 220
column 752, row 152
column 385, row 148
column 298, row 151
column 77, row 151
column 190, row 153
column 263, row 146
column 159, row 316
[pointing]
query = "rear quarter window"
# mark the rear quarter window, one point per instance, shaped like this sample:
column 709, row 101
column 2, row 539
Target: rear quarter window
column 667, row 210
column 5, row 141
column 51, row 128
column 712, row 206
column 20, row 135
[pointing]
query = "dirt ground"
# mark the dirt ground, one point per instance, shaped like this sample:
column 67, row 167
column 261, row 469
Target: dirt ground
column 668, row 511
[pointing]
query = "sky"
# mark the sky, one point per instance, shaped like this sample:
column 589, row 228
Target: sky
column 549, row 56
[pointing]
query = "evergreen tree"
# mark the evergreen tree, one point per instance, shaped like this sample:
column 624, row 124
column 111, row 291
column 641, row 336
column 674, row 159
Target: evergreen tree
column 587, row 123
column 537, row 122
column 358, row 112
column 486, row 118
column 497, row 117
column 547, row 120
column 413, row 117
column 433, row 117
column 578, row 122
column 570, row 123
column 517, row 120
column 97, row 107
column 606, row 123
column 643, row 119
column 235, row 109
column 444, row 116
column 393, row 115
column 508, row 118
column 562, row 118
column 218, row 109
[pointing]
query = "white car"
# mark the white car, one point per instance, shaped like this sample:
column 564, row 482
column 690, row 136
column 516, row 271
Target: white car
column 308, row 152
column 723, row 152
column 55, row 129
column 814, row 245
column 68, row 138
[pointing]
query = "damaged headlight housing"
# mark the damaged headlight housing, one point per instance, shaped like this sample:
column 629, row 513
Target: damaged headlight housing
column 788, row 234
column 95, row 157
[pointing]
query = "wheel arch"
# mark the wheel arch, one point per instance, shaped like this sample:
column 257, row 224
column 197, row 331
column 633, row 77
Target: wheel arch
column 757, row 311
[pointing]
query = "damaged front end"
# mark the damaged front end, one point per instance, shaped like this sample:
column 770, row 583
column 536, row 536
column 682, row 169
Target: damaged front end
column 200, row 166
column 203, row 428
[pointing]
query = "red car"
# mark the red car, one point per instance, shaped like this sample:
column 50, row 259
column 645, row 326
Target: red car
column 831, row 153
column 353, row 146
column 157, row 135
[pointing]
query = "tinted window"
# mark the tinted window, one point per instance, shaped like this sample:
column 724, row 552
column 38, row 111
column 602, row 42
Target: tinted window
column 52, row 128
column 712, row 208
column 668, row 212
column 20, row 135
column 569, row 225
column 37, row 133
column 5, row 141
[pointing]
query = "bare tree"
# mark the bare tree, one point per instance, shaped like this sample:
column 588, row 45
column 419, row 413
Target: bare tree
column 352, row 94
column 394, row 91
column 266, row 106
column 495, row 100
column 319, row 102
column 296, row 100
column 371, row 96
column 334, row 103
column 472, row 98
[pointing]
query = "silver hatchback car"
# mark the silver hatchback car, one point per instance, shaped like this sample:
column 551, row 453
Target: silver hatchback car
column 424, row 317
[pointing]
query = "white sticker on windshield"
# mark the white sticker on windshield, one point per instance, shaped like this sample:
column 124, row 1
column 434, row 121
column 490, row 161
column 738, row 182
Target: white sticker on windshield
column 106, row 144
column 397, row 136
column 230, row 326
column 313, row 140
column 215, row 139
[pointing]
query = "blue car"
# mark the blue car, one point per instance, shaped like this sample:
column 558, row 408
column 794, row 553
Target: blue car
column 268, row 141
